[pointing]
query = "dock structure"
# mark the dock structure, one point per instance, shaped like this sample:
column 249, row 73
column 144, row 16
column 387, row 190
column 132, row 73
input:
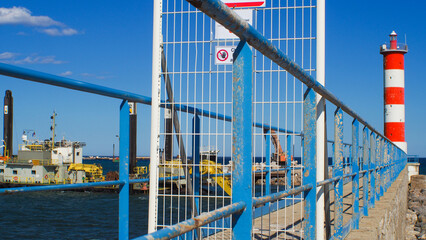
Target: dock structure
column 232, row 75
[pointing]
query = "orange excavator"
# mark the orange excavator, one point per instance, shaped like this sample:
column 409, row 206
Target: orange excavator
column 279, row 154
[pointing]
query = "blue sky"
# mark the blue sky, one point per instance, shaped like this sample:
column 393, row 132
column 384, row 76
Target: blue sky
column 109, row 43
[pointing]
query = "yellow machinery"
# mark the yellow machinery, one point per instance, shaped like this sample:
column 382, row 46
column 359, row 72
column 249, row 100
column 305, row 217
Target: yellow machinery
column 140, row 170
column 207, row 167
column 93, row 172
column 210, row 167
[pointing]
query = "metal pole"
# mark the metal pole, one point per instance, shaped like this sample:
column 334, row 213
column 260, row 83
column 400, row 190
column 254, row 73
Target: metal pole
column 268, row 162
column 123, row 215
column 155, row 116
column 355, row 179
column 289, row 154
column 365, row 162
column 133, row 138
column 309, row 164
column 322, row 161
column 8, row 124
column 168, row 125
column 196, row 172
column 373, row 166
column 241, row 140
column 338, row 172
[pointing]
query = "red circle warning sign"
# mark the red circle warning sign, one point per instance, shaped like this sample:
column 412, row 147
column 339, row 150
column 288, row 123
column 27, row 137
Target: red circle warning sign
column 222, row 55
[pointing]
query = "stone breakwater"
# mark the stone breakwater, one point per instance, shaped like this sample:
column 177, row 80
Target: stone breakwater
column 416, row 212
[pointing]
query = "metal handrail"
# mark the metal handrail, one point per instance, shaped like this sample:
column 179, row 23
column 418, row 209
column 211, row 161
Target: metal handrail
column 195, row 222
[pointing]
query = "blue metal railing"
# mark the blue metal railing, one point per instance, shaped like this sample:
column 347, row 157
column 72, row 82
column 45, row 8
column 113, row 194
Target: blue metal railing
column 382, row 161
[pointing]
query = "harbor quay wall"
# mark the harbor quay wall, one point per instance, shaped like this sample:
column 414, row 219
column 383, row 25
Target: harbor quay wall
column 387, row 220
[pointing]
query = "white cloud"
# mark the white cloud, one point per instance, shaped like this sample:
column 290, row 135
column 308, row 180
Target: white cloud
column 66, row 73
column 22, row 16
column 7, row 55
column 59, row 32
column 91, row 75
column 12, row 58
column 39, row 60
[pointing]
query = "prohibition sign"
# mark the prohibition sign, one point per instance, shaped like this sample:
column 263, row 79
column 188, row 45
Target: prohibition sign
column 222, row 55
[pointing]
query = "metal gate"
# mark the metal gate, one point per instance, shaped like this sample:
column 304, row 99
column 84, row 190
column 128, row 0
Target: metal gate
column 192, row 106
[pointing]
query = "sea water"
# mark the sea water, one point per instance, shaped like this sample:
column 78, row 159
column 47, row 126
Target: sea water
column 68, row 215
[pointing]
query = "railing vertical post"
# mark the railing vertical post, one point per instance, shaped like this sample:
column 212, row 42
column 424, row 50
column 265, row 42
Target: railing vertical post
column 386, row 162
column 382, row 164
column 338, row 172
column 123, row 215
column 365, row 166
column 309, row 164
column 154, row 154
column 288, row 162
column 355, row 169
column 268, row 162
column 241, row 139
column 196, row 170
column 373, row 167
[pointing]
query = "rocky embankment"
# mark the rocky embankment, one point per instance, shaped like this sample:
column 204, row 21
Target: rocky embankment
column 416, row 213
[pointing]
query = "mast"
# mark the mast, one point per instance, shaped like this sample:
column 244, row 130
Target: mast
column 52, row 128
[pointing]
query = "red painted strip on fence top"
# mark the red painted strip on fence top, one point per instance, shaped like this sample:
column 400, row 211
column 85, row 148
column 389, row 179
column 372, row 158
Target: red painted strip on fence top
column 245, row 4
column 394, row 61
column 395, row 131
column 394, row 95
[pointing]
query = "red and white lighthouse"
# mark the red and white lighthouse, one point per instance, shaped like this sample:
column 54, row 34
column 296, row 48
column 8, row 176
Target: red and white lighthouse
column 394, row 114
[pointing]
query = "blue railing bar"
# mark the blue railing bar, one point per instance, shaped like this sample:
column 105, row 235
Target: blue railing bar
column 142, row 180
column 193, row 223
column 217, row 175
column 346, row 144
column 277, row 170
column 328, row 181
column 349, row 175
column 60, row 187
column 46, row 78
column 205, row 113
column 224, row 15
column 275, row 196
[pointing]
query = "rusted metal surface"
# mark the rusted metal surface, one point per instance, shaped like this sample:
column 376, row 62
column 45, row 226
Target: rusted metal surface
column 366, row 161
column 124, row 190
column 309, row 162
column 338, row 173
column 355, row 169
column 373, row 174
column 242, row 139
column 328, row 181
column 276, row 196
column 193, row 223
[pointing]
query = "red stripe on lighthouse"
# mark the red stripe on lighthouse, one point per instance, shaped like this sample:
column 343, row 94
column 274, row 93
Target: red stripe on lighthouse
column 394, row 61
column 395, row 131
column 394, row 95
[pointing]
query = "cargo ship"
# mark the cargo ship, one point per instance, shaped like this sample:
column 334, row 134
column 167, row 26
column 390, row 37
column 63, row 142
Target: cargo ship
column 47, row 162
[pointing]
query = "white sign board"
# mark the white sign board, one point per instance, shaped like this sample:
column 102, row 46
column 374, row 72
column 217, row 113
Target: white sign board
column 223, row 33
column 244, row 3
column 224, row 55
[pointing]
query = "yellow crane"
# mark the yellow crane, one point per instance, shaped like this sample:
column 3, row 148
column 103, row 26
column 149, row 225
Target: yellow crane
column 210, row 167
column 93, row 172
